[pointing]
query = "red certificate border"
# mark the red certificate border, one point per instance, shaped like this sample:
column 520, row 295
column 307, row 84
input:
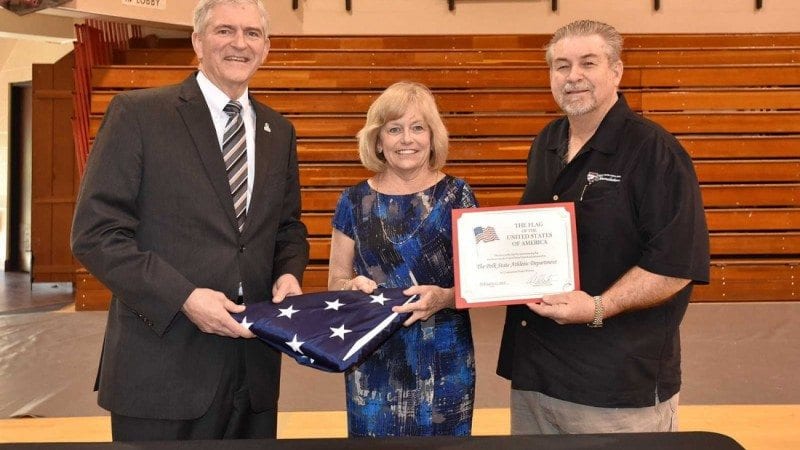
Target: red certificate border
column 457, row 213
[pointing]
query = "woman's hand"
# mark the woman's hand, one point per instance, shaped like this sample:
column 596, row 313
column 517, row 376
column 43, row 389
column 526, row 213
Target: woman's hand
column 432, row 299
column 359, row 283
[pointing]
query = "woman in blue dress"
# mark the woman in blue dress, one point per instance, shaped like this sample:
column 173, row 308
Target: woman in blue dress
column 394, row 230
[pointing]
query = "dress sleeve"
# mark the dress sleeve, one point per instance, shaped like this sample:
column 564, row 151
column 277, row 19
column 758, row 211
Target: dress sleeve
column 467, row 198
column 344, row 216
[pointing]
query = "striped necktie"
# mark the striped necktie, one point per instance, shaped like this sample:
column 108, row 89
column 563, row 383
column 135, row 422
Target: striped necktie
column 234, row 152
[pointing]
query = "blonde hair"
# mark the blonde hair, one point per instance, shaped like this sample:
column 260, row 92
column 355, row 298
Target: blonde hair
column 608, row 33
column 393, row 104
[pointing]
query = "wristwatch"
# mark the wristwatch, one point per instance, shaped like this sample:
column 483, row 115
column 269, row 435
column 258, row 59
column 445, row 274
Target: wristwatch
column 597, row 321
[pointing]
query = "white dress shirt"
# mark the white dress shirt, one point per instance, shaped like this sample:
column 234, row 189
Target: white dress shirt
column 216, row 100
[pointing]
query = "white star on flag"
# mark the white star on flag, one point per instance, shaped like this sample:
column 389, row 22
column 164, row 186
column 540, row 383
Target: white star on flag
column 334, row 305
column 245, row 323
column 295, row 344
column 339, row 332
column 379, row 299
column 287, row 312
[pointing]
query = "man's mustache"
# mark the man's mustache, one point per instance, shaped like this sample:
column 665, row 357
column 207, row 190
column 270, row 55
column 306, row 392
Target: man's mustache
column 574, row 87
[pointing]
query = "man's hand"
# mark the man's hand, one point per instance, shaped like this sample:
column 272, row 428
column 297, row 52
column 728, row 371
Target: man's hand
column 285, row 286
column 636, row 289
column 566, row 308
column 211, row 311
column 432, row 299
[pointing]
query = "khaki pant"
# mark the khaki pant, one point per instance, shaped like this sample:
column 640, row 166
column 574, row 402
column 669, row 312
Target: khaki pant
column 535, row 413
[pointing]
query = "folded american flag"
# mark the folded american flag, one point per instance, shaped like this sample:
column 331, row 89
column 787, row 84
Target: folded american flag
column 330, row 331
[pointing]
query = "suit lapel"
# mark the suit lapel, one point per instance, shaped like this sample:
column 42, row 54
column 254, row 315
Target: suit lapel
column 266, row 157
column 197, row 118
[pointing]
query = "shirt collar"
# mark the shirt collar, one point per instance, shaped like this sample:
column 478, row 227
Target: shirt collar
column 607, row 136
column 215, row 98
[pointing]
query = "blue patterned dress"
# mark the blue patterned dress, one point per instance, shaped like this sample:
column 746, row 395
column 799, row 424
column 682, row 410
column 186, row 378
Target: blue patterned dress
column 421, row 382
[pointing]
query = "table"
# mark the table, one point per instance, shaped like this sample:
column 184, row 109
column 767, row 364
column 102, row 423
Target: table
column 691, row 440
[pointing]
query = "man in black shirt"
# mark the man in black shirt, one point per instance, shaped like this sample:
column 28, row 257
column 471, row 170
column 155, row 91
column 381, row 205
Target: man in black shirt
column 642, row 241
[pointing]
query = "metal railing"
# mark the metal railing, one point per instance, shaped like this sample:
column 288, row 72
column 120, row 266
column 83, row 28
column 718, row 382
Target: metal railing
column 95, row 43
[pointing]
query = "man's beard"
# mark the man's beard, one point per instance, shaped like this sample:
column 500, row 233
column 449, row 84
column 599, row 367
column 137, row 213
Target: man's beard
column 578, row 107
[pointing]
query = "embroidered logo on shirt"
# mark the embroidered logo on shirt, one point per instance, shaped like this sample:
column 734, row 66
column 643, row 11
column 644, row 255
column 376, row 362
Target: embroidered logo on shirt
column 594, row 177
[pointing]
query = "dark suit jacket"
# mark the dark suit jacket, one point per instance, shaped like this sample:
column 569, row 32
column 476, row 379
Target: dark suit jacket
column 154, row 220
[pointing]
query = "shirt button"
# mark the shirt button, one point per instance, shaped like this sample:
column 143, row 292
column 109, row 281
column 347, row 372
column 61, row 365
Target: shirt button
column 524, row 323
column 241, row 249
column 555, row 197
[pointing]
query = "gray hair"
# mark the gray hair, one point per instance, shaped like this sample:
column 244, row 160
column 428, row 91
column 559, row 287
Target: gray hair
column 204, row 7
column 608, row 33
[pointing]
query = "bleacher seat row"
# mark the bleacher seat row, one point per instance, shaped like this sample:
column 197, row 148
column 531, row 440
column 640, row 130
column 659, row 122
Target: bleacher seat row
column 732, row 100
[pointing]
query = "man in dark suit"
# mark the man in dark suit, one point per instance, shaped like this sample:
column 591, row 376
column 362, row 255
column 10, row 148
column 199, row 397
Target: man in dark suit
column 183, row 236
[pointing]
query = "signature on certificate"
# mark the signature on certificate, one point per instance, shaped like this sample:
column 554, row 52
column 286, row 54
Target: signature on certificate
column 540, row 280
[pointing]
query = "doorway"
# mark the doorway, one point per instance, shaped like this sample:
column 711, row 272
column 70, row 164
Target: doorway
column 18, row 218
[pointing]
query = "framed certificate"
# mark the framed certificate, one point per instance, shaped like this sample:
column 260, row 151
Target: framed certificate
column 516, row 254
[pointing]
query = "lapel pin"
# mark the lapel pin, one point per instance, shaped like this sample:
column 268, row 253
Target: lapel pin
column 267, row 128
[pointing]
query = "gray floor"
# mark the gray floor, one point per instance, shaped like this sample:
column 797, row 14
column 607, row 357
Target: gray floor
column 743, row 353
column 18, row 294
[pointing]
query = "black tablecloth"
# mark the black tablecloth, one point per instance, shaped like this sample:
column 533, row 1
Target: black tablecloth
column 693, row 440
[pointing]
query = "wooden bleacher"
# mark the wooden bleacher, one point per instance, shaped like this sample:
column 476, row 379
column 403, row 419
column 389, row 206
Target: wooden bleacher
column 459, row 57
column 537, row 41
column 500, row 41
column 732, row 100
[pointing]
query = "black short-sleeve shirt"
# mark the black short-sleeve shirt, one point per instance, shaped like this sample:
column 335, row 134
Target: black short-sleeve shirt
column 637, row 203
